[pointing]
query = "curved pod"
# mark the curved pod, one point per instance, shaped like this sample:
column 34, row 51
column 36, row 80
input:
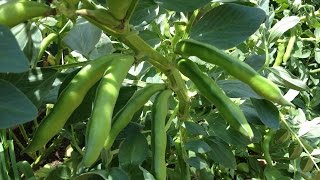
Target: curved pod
column 208, row 88
column 240, row 70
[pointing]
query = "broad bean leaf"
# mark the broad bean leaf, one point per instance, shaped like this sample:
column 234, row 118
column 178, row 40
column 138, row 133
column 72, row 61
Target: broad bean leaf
column 15, row 107
column 310, row 129
column 83, row 37
column 133, row 151
column 59, row 172
column 35, row 84
column 301, row 51
column 118, row 174
column 146, row 174
column 103, row 47
column 197, row 162
column 282, row 26
column 227, row 25
column 237, row 89
column 268, row 112
column 194, row 129
column 284, row 78
column 250, row 113
column 197, row 146
column 273, row 173
column 98, row 175
column 12, row 59
column 150, row 37
column 256, row 61
column 225, row 133
column 25, row 168
column 21, row 34
column 182, row 5
column 145, row 12
column 221, row 153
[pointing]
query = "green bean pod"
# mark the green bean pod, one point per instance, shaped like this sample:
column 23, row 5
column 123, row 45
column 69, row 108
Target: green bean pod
column 44, row 44
column 124, row 116
column 69, row 99
column 289, row 48
column 107, row 93
column 119, row 8
column 209, row 89
column 16, row 12
column 158, row 134
column 240, row 70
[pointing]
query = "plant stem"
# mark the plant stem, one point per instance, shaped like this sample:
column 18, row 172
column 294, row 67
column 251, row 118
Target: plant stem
column 66, row 66
column 18, row 143
column 184, row 169
column 173, row 115
column 136, row 43
column 24, row 133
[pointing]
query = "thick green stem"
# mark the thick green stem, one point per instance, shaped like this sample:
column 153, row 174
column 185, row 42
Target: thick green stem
column 136, row 43
column 184, row 169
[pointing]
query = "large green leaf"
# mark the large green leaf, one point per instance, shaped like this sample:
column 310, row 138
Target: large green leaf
column 268, row 112
column 228, row 135
column 182, row 5
column 12, row 58
column 145, row 12
column 15, row 107
column 35, row 84
column 83, row 37
column 221, row 153
column 197, row 162
column 282, row 26
column 227, row 25
column 197, row 146
column 237, row 89
column 133, row 151
column 283, row 77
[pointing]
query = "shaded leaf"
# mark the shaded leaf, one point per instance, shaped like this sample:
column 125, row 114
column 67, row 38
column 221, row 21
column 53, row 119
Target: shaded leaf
column 194, row 129
column 197, row 146
column 133, row 151
column 145, row 12
column 93, row 175
column 182, row 5
column 35, row 84
column 83, row 37
column 197, row 162
column 268, row 112
column 237, row 89
column 12, row 59
column 15, row 107
column 227, row 25
column 118, row 174
column 221, row 153
column 272, row 173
